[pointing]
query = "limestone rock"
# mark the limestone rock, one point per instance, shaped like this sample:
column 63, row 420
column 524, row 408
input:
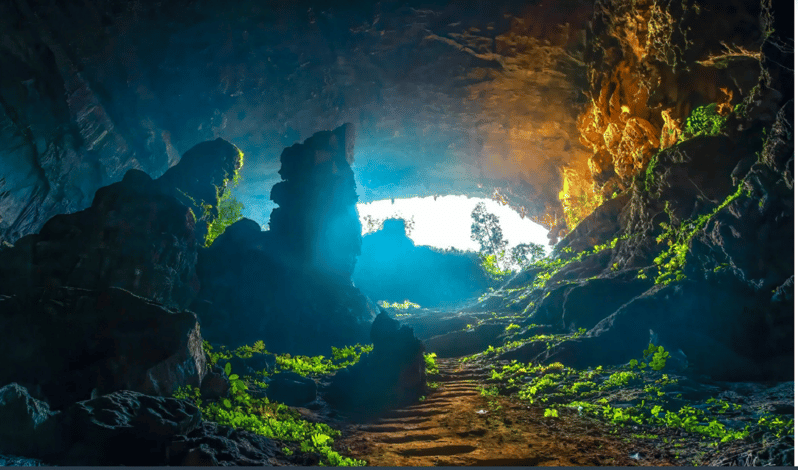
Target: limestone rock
column 317, row 222
column 121, row 428
column 132, row 237
column 393, row 374
column 23, row 421
column 200, row 175
column 291, row 286
column 116, row 341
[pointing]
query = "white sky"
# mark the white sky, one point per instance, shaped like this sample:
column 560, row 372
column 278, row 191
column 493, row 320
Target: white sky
column 446, row 222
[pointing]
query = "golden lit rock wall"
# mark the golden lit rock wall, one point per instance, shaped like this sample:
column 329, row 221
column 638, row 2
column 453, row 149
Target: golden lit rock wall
column 651, row 62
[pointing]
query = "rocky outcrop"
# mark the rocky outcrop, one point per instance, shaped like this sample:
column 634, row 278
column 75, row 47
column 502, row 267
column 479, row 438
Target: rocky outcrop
column 316, row 224
column 650, row 64
column 132, row 237
column 116, row 341
column 393, row 374
column 24, row 422
column 291, row 286
column 139, row 234
column 199, row 179
column 125, row 428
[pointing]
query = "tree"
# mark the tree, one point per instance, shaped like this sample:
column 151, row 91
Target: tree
column 486, row 231
column 524, row 254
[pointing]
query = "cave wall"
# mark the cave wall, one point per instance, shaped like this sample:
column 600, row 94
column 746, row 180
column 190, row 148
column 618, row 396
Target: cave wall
column 449, row 98
column 650, row 63
column 545, row 105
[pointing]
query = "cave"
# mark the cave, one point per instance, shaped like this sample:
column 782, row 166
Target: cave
column 188, row 275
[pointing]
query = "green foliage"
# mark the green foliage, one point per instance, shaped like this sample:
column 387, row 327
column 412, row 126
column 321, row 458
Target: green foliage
column 430, row 364
column 486, row 231
column 777, row 426
column 576, row 208
column 490, row 265
column 321, row 365
column 670, row 263
column 399, row 306
column 302, row 365
column 704, row 120
column 229, row 210
column 523, row 254
column 618, row 379
column 273, row 420
column 550, row 413
column 512, row 326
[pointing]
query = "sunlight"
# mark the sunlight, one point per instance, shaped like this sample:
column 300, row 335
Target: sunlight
column 445, row 221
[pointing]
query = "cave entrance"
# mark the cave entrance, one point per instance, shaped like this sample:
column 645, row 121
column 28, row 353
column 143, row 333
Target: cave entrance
column 421, row 250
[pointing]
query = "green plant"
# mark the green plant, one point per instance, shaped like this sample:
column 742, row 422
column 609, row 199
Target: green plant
column 430, row 364
column 670, row 262
column 229, row 211
column 490, row 265
column 550, row 413
column 704, row 120
column 400, row 306
column 576, row 208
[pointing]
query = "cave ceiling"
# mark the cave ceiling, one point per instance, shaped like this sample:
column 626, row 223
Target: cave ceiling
column 472, row 98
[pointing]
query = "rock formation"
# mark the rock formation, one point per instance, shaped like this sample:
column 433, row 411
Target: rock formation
column 291, row 286
column 316, row 224
column 125, row 428
column 393, row 374
column 72, row 342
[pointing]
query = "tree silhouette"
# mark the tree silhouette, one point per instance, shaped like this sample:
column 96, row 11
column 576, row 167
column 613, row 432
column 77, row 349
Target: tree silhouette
column 486, row 231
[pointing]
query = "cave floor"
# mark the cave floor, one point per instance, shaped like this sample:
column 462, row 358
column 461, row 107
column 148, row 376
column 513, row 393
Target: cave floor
column 456, row 426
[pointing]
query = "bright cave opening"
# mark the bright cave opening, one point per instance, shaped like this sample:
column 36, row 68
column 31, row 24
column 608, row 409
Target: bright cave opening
column 442, row 250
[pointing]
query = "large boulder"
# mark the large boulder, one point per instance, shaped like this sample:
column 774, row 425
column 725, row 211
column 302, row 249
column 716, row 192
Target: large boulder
column 291, row 388
column 23, row 421
column 132, row 237
column 115, row 341
column 121, row 428
column 393, row 374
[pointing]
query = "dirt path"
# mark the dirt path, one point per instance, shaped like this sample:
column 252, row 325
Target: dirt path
column 455, row 425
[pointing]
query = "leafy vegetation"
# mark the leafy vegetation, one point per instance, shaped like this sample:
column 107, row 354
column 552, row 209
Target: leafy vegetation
column 496, row 260
column 275, row 420
column 670, row 262
column 490, row 264
column 594, row 392
column 704, row 120
column 430, row 364
column 576, row 208
column 230, row 211
column 399, row 306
